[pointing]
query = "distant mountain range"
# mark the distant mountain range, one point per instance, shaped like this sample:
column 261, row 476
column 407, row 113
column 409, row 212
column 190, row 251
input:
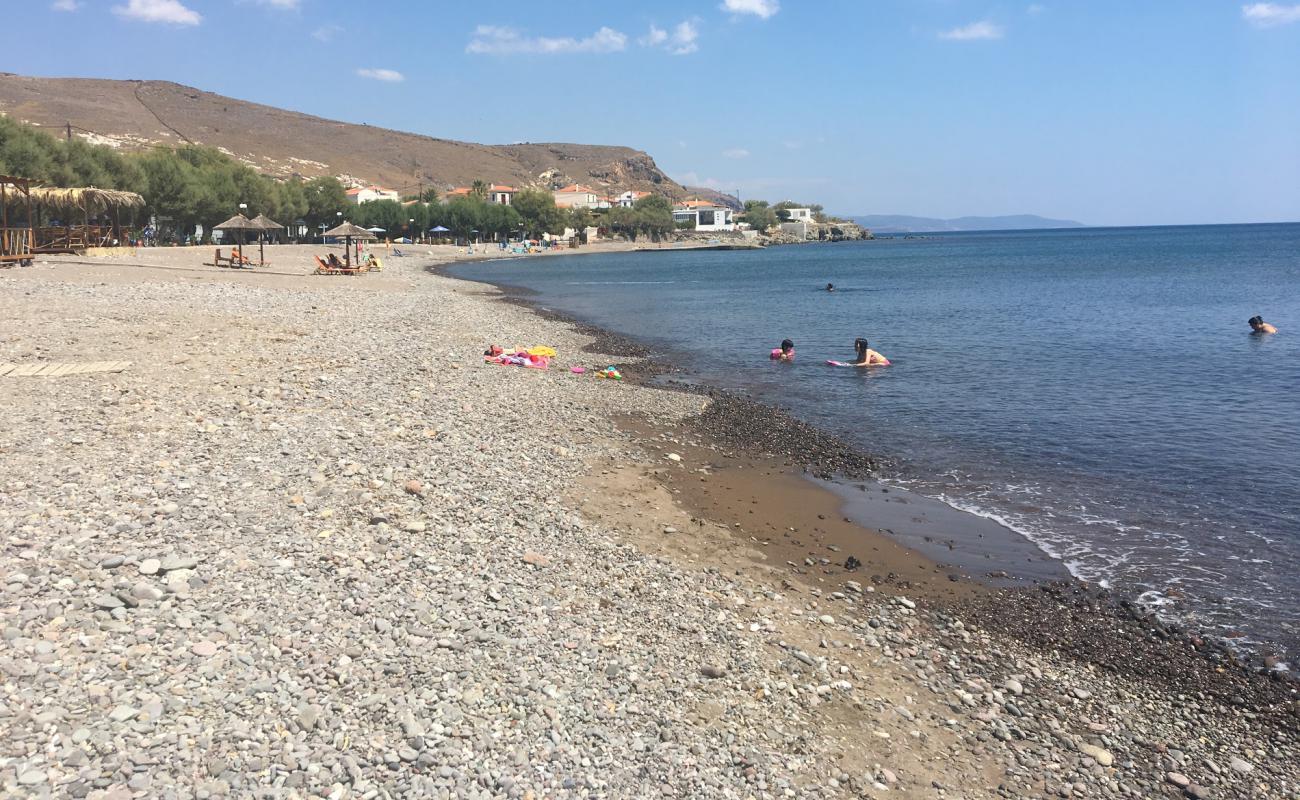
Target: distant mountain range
column 901, row 223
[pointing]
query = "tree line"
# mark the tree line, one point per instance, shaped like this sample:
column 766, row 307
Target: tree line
column 762, row 215
column 191, row 186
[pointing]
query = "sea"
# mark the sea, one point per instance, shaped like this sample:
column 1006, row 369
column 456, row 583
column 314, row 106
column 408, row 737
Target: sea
column 1096, row 392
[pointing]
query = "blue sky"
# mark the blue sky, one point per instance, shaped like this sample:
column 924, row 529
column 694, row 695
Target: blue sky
column 1160, row 111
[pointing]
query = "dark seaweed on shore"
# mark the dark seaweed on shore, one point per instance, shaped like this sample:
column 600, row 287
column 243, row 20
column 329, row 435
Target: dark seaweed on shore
column 739, row 423
column 1096, row 627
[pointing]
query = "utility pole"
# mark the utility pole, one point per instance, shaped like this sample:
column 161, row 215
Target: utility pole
column 68, row 136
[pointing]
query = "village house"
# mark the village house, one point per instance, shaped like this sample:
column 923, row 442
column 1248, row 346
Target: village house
column 501, row 195
column 369, row 194
column 799, row 215
column 628, row 199
column 576, row 196
column 706, row 216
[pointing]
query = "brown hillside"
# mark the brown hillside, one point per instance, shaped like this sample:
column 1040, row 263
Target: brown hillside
column 135, row 114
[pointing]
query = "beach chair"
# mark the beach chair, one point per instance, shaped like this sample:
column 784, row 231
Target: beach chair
column 220, row 261
column 236, row 260
column 323, row 267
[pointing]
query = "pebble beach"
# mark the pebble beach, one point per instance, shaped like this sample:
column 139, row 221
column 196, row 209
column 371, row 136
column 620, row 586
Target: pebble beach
column 308, row 545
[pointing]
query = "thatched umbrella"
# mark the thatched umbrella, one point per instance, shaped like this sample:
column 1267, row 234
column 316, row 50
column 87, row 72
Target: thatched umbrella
column 349, row 232
column 238, row 224
column 266, row 224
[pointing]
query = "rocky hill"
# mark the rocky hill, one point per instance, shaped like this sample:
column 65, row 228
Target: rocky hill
column 715, row 196
column 137, row 114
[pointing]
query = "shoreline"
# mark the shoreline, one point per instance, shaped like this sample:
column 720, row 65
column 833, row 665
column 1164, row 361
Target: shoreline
column 769, row 433
column 377, row 572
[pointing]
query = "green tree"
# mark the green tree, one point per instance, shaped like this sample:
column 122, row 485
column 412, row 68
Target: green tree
column 759, row 215
column 538, row 211
column 479, row 189
column 325, row 198
column 654, row 216
column 465, row 215
column 580, row 219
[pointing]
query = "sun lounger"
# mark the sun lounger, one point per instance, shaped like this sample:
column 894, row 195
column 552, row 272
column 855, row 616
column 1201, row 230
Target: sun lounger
column 323, row 267
column 221, row 261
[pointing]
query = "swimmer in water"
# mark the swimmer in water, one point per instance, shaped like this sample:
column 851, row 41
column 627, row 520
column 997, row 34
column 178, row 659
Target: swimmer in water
column 830, row 287
column 785, row 353
column 868, row 357
column 1259, row 326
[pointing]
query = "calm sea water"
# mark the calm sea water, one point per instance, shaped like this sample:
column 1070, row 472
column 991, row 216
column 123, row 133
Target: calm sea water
column 1097, row 391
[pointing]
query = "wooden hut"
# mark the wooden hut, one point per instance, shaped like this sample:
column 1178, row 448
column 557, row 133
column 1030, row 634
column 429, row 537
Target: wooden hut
column 91, row 217
column 16, row 240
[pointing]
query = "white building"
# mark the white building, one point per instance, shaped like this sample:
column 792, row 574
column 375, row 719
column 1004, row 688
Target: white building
column 706, row 216
column 369, row 194
column 577, row 196
column 799, row 215
column 501, row 195
column 628, row 199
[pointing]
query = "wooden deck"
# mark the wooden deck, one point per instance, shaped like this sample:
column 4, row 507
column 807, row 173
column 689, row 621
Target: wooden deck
column 59, row 369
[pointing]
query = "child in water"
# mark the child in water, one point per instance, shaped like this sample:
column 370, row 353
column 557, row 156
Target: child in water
column 868, row 357
column 785, row 352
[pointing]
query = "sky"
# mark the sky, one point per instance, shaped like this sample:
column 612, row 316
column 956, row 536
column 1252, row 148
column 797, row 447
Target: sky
column 1109, row 112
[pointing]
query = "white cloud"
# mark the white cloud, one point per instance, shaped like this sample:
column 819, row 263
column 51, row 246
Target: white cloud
column 326, row 33
column 735, row 152
column 169, row 11
column 1266, row 15
column 973, row 32
column 694, row 179
column 683, row 39
column 288, row 5
column 655, row 37
column 497, row 40
column 386, row 75
column 65, row 5
column 1034, row 9
column 759, row 8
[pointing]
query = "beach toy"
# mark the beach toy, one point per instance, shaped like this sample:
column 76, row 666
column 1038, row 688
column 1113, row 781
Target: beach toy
column 577, row 370
column 611, row 372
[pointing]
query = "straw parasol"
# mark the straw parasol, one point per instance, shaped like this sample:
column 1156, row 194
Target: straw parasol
column 266, row 224
column 238, row 224
column 85, row 199
column 349, row 232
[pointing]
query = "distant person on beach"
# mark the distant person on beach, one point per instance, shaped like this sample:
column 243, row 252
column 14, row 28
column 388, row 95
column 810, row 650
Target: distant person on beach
column 1258, row 325
column 868, row 357
column 830, row 287
column 785, row 352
